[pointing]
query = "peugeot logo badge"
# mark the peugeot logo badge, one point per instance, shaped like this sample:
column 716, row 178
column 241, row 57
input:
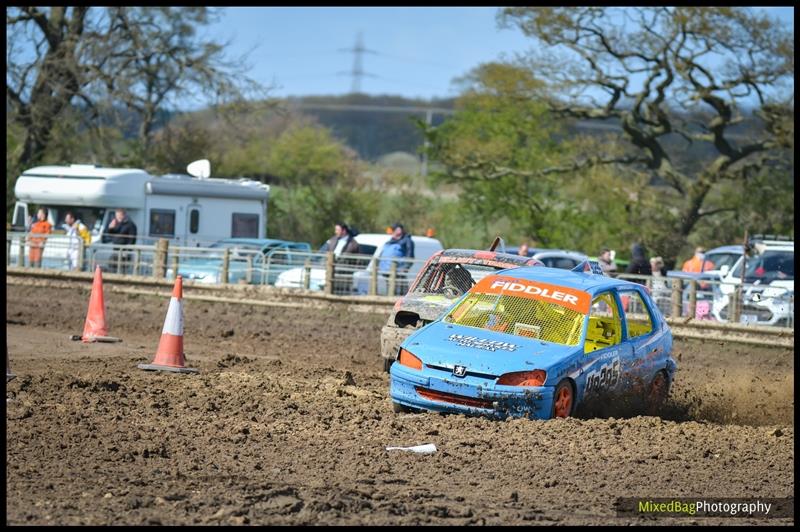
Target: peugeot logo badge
column 460, row 371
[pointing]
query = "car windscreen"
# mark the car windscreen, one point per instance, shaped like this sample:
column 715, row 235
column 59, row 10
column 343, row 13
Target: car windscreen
column 767, row 267
column 723, row 259
column 523, row 308
column 452, row 279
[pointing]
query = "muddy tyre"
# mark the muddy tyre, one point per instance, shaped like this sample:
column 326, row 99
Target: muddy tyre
column 387, row 364
column 563, row 400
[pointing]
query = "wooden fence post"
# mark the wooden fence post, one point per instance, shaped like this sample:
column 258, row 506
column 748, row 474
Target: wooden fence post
column 21, row 256
column 392, row 279
column 373, row 278
column 226, row 263
column 175, row 262
column 160, row 259
column 329, row 273
column 81, row 252
column 307, row 274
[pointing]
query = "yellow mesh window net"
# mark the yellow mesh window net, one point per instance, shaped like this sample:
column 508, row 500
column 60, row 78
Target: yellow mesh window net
column 519, row 316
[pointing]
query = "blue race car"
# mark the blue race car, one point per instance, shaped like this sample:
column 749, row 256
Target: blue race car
column 537, row 342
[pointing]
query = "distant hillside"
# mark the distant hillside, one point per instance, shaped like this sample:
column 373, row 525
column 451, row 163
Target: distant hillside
column 377, row 126
column 373, row 125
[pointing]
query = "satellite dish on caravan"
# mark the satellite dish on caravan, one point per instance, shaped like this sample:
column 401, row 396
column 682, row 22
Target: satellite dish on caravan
column 201, row 168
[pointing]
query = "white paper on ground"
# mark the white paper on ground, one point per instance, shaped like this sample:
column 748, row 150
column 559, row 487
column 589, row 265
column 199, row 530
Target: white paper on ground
column 425, row 448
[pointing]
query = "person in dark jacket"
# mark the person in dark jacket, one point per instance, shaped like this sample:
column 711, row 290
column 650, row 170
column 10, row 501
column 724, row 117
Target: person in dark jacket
column 342, row 241
column 120, row 231
column 400, row 245
column 639, row 264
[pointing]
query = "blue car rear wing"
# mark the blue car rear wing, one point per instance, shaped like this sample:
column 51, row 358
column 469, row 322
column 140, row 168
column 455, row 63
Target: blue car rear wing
column 589, row 266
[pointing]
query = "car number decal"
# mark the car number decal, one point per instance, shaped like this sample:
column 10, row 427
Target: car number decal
column 605, row 377
column 481, row 343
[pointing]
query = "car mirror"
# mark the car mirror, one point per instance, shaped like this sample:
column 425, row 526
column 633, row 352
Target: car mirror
column 723, row 271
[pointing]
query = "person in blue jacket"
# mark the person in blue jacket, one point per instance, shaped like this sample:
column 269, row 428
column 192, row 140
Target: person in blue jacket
column 400, row 245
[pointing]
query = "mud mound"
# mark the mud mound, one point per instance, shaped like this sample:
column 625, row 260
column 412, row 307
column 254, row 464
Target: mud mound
column 289, row 419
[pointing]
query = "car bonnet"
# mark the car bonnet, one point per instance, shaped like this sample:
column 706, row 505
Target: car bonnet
column 481, row 350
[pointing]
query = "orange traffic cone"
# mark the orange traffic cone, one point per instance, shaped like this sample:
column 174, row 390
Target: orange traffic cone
column 9, row 375
column 169, row 356
column 95, row 329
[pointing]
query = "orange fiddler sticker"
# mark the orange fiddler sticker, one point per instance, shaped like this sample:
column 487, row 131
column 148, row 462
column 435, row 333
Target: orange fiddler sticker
column 566, row 297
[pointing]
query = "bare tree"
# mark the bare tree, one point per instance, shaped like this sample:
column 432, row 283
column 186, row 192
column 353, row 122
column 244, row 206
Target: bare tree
column 158, row 60
column 112, row 62
column 38, row 89
column 645, row 67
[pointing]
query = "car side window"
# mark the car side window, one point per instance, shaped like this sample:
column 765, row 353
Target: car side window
column 604, row 323
column 637, row 315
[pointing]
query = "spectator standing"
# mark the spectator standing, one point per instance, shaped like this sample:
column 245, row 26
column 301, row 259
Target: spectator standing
column 77, row 232
column 698, row 262
column 400, row 245
column 342, row 241
column 523, row 249
column 606, row 261
column 120, row 231
column 639, row 264
column 40, row 227
column 659, row 273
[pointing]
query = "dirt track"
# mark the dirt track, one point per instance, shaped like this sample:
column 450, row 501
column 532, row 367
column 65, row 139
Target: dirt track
column 288, row 422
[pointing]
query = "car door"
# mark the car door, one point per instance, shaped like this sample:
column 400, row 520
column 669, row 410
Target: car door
column 605, row 353
column 642, row 335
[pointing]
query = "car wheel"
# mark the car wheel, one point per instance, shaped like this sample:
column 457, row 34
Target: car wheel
column 563, row 399
column 657, row 393
column 387, row 364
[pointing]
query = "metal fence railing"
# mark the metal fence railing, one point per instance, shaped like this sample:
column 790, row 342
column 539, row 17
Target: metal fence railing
column 356, row 274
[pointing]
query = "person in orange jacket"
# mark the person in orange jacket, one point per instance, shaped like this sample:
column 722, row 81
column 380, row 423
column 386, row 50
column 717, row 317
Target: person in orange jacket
column 40, row 226
column 698, row 263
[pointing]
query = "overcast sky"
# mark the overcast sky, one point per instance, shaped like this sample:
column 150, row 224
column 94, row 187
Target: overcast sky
column 413, row 51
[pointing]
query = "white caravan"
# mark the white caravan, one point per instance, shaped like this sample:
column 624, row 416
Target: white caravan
column 189, row 211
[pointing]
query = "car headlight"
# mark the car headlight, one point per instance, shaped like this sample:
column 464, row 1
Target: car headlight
column 523, row 378
column 409, row 360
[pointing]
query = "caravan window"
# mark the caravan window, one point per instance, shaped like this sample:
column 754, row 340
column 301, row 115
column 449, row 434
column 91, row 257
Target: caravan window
column 244, row 225
column 162, row 222
column 91, row 217
column 194, row 221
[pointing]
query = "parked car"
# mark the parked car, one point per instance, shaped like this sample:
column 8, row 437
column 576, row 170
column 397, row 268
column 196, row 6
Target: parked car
column 536, row 342
column 553, row 258
column 769, row 285
column 723, row 258
column 446, row 276
column 265, row 258
column 370, row 247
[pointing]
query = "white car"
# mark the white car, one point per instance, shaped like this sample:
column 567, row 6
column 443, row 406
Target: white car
column 371, row 245
column 769, row 285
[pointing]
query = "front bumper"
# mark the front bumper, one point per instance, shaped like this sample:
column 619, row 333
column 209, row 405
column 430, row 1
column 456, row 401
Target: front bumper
column 470, row 396
column 752, row 313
